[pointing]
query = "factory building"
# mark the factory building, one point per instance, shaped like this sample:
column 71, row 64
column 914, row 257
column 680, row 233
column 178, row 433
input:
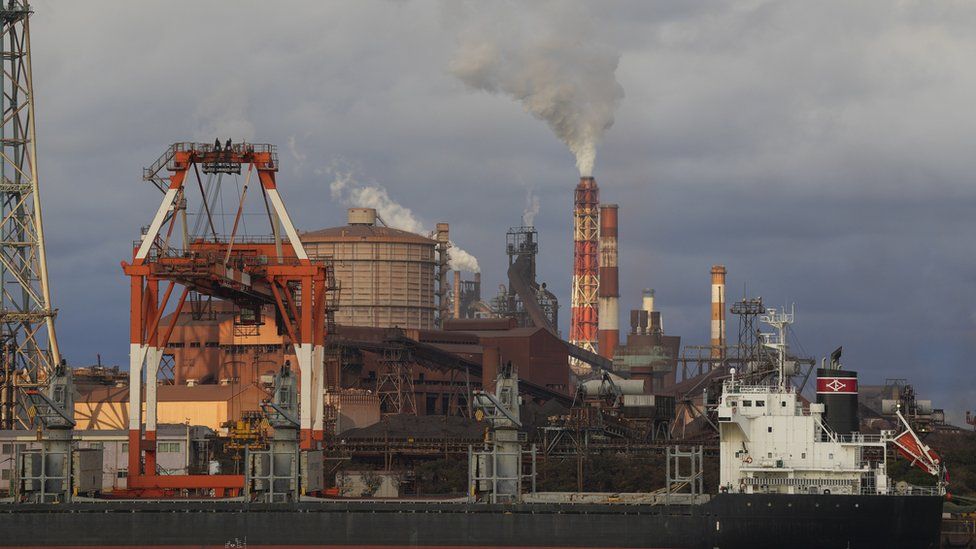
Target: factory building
column 183, row 449
column 648, row 354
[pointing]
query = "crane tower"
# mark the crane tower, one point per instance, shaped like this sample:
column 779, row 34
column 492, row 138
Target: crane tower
column 27, row 339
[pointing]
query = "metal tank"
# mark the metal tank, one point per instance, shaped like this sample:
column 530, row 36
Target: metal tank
column 386, row 276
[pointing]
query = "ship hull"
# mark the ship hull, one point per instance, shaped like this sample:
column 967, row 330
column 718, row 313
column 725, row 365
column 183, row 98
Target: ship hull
column 726, row 521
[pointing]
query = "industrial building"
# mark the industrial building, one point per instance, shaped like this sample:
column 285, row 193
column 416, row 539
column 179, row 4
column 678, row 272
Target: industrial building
column 387, row 277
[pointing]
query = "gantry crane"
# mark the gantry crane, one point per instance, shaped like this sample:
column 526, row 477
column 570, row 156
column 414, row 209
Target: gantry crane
column 249, row 272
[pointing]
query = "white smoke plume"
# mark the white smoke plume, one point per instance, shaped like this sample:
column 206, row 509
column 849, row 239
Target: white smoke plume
column 346, row 189
column 543, row 55
column 531, row 208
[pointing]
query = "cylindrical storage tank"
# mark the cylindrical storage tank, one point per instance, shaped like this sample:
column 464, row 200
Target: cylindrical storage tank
column 386, row 276
column 837, row 391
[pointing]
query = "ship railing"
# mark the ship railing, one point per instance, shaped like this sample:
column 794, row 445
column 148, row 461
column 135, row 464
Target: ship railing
column 739, row 387
column 853, row 438
column 907, row 491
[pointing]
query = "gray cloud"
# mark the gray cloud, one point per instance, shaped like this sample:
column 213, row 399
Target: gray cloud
column 821, row 150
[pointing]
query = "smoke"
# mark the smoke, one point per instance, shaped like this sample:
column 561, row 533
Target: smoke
column 346, row 189
column 462, row 260
column 544, row 56
column 531, row 208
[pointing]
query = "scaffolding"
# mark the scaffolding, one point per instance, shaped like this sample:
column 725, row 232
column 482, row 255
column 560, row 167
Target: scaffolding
column 394, row 384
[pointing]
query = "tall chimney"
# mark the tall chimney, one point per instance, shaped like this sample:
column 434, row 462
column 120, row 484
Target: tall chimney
column 443, row 259
column 609, row 313
column 718, row 311
column 586, row 234
column 457, row 294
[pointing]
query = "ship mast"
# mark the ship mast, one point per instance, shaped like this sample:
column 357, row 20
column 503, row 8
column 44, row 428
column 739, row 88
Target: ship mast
column 778, row 319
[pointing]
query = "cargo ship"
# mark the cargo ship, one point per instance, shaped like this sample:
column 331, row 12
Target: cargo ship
column 793, row 474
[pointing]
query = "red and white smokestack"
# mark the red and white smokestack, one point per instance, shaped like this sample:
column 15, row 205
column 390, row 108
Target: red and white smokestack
column 586, row 281
column 718, row 311
column 609, row 293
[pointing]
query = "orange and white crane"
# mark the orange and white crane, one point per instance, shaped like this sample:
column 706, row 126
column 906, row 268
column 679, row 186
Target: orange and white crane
column 249, row 272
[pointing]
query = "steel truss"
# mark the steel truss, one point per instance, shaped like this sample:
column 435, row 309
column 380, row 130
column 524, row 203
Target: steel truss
column 26, row 310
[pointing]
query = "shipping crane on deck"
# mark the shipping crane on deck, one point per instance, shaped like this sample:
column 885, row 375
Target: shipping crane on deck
column 249, row 272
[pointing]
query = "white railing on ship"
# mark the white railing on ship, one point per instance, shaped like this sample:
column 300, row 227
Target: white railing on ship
column 737, row 387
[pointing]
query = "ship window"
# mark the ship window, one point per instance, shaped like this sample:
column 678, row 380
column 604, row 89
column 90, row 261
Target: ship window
column 122, row 474
column 747, row 403
column 125, row 447
column 803, row 455
column 830, row 456
column 770, row 454
column 5, row 474
column 8, row 449
column 760, row 403
column 783, row 404
column 769, row 429
column 733, row 403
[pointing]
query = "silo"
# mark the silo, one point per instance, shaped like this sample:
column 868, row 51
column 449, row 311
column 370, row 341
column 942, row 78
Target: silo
column 386, row 276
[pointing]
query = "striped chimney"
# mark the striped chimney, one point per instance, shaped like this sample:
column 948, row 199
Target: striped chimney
column 718, row 311
column 586, row 281
column 609, row 293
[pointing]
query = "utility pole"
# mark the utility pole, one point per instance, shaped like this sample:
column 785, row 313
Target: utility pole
column 26, row 311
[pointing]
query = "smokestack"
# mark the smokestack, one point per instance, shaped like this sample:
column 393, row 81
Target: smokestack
column 457, row 294
column 586, row 282
column 477, row 287
column 718, row 311
column 647, row 301
column 609, row 321
column 443, row 259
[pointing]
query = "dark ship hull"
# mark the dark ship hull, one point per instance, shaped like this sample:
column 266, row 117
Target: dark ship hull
column 726, row 521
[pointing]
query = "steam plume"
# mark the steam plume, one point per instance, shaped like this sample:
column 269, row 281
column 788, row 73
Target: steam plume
column 347, row 190
column 543, row 56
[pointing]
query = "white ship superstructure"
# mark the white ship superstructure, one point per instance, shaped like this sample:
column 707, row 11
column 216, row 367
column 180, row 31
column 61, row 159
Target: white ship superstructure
column 773, row 441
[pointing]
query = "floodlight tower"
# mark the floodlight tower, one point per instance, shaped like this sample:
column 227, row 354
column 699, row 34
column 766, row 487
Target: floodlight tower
column 26, row 312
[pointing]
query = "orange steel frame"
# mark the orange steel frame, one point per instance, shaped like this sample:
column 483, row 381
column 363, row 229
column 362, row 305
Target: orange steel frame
column 584, row 315
column 248, row 273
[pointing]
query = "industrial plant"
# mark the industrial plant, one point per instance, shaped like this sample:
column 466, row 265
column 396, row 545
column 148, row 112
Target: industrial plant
column 327, row 369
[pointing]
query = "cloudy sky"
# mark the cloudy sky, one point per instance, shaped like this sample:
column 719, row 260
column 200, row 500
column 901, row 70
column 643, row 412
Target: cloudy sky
column 822, row 151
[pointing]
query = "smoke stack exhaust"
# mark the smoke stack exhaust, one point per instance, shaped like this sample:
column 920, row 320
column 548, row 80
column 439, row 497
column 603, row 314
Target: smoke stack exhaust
column 586, row 282
column 609, row 293
column 718, row 311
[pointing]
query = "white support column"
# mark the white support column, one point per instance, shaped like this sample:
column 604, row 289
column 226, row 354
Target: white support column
column 303, row 353
column 136, row 358
column 318, row 384
column 153, row 357
column 279, row 208
column 157, row 222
